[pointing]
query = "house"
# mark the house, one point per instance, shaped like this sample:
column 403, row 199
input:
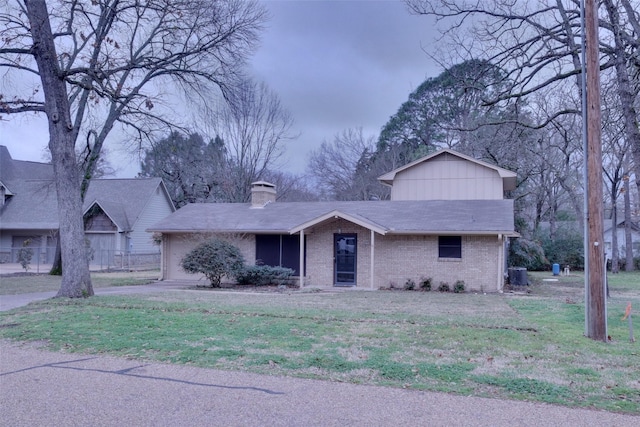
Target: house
column 116, row 211
column 619, row 230
column 447, row 219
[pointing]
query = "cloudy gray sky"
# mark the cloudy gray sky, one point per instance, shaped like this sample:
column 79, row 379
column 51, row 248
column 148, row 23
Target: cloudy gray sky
column 334, row 64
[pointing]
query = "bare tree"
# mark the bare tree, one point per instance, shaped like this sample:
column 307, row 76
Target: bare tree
column 191, row 168
column 291, row 187
column 560, row 151
column 345, row 170
column 76, row 282
column 551, row 183
column 624, row 53
column 253, row 125
column 114, row 61
column 538, row 44
column 615, row 159
column 628, row 241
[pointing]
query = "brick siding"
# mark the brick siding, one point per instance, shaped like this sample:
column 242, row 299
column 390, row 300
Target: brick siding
column 397, row 258
column 400, row 257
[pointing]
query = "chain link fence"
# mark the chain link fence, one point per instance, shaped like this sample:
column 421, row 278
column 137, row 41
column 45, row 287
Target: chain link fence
column 42, row 257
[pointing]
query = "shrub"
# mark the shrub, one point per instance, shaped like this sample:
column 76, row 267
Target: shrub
column 263, row 275
column 393, row 285
column 25, row 254
column 458, row 287
column 444, row 287
column 409, row 285
column 528, row 254
column 567, row 248
column 425, row 283
column 214, row 258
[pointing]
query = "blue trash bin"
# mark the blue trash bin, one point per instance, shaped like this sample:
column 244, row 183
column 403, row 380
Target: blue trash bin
column 556, row 269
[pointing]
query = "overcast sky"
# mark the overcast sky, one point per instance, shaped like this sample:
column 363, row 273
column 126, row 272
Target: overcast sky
column 334, row 64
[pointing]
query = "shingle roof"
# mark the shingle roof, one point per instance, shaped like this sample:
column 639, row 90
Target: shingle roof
column 608, row 224
column 121, row 199
column 11, row 169
column 34, row 205
column 391, row 217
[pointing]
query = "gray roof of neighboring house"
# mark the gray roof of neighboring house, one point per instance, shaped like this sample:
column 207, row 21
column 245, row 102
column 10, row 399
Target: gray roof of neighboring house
column 11, row 169
column 386, row 217
column 122, row 199
column 32, row 203
column 34, row 206
column 608, row 223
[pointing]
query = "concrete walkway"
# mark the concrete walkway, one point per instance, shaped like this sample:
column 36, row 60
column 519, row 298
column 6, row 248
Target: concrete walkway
column 57, row 389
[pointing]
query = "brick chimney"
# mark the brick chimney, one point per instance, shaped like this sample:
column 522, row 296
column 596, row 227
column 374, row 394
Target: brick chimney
column 262, row 193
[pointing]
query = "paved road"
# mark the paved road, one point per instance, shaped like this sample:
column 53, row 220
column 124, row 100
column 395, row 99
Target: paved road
column 58, row 389
column 41, row 388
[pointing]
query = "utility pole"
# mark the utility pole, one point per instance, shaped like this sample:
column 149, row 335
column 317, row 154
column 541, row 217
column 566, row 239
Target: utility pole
column 595, row 300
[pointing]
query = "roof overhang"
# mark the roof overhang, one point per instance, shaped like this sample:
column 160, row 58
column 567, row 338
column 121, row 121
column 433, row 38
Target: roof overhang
column 106, row 212
column 20, row 226
column 212, row 231
column 505, row 233
column 7, row 192
column 336, row 214
column 621, row 222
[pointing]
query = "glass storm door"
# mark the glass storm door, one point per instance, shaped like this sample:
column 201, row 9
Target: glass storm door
column 345, row 246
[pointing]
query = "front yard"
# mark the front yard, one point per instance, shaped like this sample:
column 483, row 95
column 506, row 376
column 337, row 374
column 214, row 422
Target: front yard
column 523, row 345
column 24, row 283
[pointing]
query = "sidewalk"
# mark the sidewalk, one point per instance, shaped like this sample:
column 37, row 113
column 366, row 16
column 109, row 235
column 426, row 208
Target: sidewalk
column 55, row 389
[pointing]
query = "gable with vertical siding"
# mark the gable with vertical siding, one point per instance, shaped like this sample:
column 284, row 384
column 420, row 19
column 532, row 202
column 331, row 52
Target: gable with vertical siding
column 447, row 175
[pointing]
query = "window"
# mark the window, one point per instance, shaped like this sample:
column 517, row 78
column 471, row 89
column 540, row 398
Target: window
column 278, row 250
column 268, row 249
column 450, row 247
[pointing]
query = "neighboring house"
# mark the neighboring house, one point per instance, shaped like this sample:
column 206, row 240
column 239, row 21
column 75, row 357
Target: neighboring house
column 574, row 227
column 117, row 212
column 446, row 219
column 622, row 247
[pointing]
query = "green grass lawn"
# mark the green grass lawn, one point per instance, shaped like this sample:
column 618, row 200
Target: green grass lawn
column 13, row 284
column 522, row 345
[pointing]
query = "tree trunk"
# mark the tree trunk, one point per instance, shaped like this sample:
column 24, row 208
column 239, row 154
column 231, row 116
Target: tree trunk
column 628, row 242
column 56, row 267
column 615, row 253
column 625, row 89
column 76, row 281
column 553, row 214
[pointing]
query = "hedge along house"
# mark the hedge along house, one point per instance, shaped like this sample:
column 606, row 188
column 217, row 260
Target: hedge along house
column 446, row 219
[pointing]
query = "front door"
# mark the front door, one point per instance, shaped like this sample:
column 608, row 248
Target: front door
column 345, row 252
